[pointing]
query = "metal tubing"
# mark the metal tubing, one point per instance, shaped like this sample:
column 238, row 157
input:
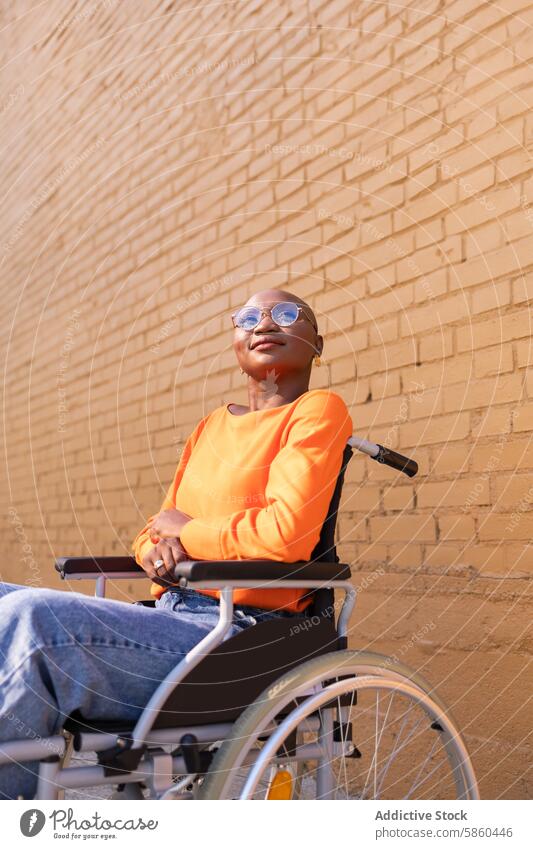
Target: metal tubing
column 47, row 785
column 348, row 605
column 325, row 784
column 32, row 750
column 192, row 659
column 364, row 446
column 99, row 590
column 92, row 741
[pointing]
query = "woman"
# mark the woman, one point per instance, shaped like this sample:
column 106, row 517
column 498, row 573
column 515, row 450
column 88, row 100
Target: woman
column 252, row 482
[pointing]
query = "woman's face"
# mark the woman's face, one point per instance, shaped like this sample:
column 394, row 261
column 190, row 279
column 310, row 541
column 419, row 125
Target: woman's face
column 269, row 347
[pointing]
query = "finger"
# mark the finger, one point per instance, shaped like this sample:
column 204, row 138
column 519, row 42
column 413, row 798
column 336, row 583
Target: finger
column 149, row 561
column 165, row 579
column 168, row 556
column 177, row 551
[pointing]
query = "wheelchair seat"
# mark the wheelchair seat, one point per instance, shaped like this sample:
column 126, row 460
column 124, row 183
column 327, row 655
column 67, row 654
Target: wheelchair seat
column 233, row 675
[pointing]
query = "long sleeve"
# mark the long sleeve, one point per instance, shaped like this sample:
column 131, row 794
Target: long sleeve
column 142, row 542
column 301, row 481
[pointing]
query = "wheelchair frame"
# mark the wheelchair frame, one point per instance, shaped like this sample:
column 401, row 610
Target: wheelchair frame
column 136, row 757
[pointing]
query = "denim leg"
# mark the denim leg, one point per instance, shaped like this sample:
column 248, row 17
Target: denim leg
column 63, row 651
column 6, row 588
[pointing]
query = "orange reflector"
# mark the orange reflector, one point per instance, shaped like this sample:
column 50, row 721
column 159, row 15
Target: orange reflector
column 280, row 786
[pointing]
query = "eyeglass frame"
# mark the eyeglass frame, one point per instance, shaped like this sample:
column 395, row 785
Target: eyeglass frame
column 268, row 310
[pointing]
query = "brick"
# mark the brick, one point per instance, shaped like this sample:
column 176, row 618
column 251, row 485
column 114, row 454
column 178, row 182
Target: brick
column 443, row 429
column 351, row 528
column 523, row 289
column 399, row 528
column 385, row 385
column 502, row 329
column 430, row 286
column 382, row 279
column 494, row 420
column 339, row 270
column 435, row 315
column 438, row 374
column 343, row 370
column 406, row 555
column 400, row 353
column 450, row 459
column 425, row 402
column 363, row 499
column 456, row 527
column 524, row 353
column 454, row 493
column 492, row 361
column 503, row 561
column 507, row 526
column 529, row 383
column 484, row 392
column 383, row 411
column 390, row 303
column 523, row 418
column 491, row 297
column 383, row 331
column 399, row 498
column 446, row 557
column 514, row 492
column 507, row 452
column 436, row 346
column 513, row 257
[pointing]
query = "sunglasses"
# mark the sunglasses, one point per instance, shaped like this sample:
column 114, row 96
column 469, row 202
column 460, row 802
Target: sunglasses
column 283, row 314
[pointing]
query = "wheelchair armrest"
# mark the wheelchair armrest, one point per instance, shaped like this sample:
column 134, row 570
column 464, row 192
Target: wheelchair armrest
column 207, row 570
column 94, row 567
column 260, row 570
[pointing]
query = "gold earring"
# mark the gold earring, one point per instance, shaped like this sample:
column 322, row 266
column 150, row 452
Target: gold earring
column 316, row 359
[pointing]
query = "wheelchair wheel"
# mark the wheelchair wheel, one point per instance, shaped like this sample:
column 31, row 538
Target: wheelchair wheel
column 346, row 725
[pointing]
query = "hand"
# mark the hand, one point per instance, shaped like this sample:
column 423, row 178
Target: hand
column 168, row 523
column 171, row 552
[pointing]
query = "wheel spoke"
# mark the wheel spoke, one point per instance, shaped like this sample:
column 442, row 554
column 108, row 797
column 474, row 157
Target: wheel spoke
column 378, row 741
column 390, row 717
column 427, row 759
column 391, row 756
column 410, row 737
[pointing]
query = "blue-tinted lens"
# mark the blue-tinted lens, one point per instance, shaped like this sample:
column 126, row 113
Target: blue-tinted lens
column 248, row 318
column 285, row 313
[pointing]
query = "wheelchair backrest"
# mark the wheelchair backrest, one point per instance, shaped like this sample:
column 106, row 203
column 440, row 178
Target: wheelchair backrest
column 325, row 550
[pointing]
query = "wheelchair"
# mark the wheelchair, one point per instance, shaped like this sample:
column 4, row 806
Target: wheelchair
column 283, row 710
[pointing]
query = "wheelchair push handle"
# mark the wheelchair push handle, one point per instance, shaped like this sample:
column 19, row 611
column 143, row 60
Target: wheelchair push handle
column 385, row 455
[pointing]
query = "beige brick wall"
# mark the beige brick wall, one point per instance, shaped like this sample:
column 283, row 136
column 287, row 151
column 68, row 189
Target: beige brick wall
column 161, row 164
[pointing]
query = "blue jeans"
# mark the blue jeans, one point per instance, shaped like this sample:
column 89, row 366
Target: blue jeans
column 65, row 651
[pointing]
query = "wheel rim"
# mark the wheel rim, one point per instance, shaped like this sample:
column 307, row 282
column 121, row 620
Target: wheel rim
column 402, row 755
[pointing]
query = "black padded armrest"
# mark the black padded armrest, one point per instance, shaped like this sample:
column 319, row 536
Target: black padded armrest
column 211, row 570
column 93, row 566
column 260, row 570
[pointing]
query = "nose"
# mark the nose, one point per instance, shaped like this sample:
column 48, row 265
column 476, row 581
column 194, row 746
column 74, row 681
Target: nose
column 270, row 323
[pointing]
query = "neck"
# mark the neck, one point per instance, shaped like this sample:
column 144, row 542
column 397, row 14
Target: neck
column 275, row 391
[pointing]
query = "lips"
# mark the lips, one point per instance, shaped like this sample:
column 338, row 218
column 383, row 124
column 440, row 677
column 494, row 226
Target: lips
column 271, row 340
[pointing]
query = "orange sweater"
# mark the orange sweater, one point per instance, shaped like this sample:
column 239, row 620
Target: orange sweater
column 258, row 486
